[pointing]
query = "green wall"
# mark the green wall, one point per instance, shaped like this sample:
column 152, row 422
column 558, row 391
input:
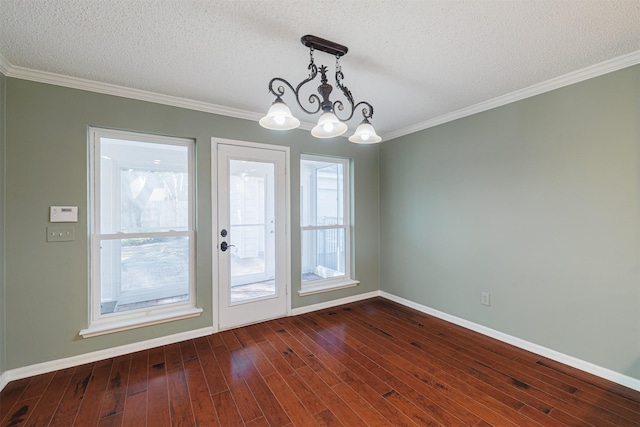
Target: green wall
column 46, row 152
column 536, row 202
column 2, row 216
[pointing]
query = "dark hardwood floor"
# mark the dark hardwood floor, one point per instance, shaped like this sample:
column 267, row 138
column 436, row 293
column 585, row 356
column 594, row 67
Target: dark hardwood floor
column 370, row 363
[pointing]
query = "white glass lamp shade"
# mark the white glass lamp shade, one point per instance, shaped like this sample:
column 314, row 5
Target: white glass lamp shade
column 279, row 117
column 328, row 126
column 365, row 134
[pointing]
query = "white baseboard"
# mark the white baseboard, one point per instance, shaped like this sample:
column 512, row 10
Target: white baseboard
column 589, row 367
column 334, row 303
column 41, row 368
column 3, row 380
column 68, row 362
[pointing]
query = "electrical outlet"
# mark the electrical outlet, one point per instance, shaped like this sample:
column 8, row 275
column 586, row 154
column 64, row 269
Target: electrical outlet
column 61, row 234
column 485, row 298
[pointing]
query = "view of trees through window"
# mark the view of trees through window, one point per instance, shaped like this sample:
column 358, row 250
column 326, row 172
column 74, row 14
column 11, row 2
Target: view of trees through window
column 143, row 238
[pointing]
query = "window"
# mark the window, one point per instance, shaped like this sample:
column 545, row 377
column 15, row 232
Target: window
column 142, row 232
column 325, row 228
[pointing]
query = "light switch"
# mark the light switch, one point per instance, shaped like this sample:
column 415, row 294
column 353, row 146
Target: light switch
column 61, row 234
column 63, row 214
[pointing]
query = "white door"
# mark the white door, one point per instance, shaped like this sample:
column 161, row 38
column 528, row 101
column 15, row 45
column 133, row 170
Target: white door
column 251, row 236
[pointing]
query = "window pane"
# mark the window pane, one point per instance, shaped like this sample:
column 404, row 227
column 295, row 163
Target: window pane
column 142, row 227
column 142, row 273
column 322, row 193
column 323, row 254
column 143, row 187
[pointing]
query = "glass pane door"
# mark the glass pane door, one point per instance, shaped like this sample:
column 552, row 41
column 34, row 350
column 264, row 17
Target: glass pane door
column 252, row 228
column 252, row 254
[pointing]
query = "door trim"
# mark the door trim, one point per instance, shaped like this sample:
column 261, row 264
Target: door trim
column 215, row 226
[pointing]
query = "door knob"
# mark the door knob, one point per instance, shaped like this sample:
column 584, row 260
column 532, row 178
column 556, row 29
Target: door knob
column 224, row 246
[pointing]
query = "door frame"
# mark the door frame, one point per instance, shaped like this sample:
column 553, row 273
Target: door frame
column 215, row 252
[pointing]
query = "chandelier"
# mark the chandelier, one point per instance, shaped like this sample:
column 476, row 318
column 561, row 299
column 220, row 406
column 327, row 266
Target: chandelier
column 329, row 125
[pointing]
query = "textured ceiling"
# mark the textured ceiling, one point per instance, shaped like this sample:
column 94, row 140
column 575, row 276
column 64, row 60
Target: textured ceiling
column 413, row 60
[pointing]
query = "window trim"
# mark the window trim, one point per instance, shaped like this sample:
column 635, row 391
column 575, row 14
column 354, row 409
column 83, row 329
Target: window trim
column 346, row 280
column 100, row 324
column 327, row 285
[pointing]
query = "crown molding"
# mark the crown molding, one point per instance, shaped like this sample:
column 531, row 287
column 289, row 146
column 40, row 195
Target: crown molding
column 5, row 66
column 537, row 89
column 605, row 67
column 126, row 92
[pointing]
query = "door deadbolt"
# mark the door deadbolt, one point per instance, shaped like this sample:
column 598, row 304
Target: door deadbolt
column 223, row 233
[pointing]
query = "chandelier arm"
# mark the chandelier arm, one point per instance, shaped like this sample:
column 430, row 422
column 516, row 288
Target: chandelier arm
column 339, row 106
column 367, row 111
column 313, row 98
column 280, row 90
column 345, row 91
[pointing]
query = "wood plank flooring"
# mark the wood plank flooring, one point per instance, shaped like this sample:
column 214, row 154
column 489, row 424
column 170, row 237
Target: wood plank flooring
column 370, row 363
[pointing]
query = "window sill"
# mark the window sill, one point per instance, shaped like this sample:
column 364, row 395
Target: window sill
column 326, row 287
column 138, row 322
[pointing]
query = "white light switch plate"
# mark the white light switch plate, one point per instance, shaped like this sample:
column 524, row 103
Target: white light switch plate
column 61, row 233
column 63, row 214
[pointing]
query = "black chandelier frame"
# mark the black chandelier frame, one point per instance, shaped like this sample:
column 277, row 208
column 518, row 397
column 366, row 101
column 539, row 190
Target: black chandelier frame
column 325, row 89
